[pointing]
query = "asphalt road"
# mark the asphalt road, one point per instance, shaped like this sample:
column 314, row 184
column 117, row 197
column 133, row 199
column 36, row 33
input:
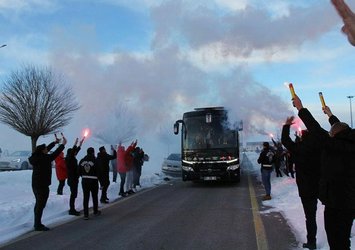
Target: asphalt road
column 176, row 215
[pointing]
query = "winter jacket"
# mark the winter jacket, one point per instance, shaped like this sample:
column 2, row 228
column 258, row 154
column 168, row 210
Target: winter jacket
column 60, row 167
column 337, row 183
column 266, row 158
column 72, row 165
column 42, row 166
column 121, row 164
column 138, row 157
column 306, row 155
column 129, row 156
column 103, row 166
column 88, row 167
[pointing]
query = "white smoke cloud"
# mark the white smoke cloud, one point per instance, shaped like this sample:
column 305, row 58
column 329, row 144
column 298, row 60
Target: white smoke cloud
column 162, row 85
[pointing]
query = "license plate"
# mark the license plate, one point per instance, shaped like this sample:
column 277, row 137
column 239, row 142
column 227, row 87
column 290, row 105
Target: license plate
column 210, row 178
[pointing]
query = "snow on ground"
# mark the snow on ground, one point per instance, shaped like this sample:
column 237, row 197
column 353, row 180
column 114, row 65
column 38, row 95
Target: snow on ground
column 17, row 202
column 285, row 200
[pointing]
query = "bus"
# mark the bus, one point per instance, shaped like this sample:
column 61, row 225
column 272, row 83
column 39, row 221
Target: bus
column 209, row 145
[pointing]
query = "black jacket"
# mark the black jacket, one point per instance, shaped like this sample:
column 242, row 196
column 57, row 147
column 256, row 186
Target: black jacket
column 42, row 166
column 306, row 155
column 138, row 157
column 72, row 165
column 88, row 167
column 103, row 164
column 266, row 158
column 337, row 184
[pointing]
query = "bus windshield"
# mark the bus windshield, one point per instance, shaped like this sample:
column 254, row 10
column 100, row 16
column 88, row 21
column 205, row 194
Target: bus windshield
column 198, row 134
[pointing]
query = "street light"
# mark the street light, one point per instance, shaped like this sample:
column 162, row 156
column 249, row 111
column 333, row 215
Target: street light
column 2, row 45
column 351, row 110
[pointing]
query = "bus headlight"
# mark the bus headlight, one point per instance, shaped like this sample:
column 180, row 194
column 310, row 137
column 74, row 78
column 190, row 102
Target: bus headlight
column 233, row 167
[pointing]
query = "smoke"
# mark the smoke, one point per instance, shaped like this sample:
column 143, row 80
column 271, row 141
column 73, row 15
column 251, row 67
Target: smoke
column 118, row 126
column 159, row 84
column 242, row 31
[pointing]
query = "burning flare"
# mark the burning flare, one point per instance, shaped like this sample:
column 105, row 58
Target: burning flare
column 86, row 132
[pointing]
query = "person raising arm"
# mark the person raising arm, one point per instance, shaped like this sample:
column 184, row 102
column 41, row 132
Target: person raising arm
column 348, row 17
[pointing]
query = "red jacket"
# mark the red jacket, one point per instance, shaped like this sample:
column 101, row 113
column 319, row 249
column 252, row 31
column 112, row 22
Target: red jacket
column 129, row 156
column 121, row 165
column 60, row 167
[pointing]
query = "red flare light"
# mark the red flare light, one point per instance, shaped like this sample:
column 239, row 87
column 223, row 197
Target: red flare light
column 86, row 132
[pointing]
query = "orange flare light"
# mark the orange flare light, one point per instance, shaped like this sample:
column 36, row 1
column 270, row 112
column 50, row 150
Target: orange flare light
column 322, row 99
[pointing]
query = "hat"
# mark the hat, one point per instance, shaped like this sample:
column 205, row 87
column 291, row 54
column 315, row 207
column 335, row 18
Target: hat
column 101, row 149
column 91, row 151
column 337, row 128
column 41, row 147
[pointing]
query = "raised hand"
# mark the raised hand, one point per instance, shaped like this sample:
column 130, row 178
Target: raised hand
column 327, row 111
column 57, row 140
column 82, row 141
column 64, row 140
column 296, row 101
column 76, row 141
column 289, row 120
column 348, row 17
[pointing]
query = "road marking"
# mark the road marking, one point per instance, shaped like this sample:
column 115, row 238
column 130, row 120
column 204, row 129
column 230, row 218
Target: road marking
column 261, row 239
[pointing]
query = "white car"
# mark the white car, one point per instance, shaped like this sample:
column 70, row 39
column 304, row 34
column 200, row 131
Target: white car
column 18, row 160
column 172, row 165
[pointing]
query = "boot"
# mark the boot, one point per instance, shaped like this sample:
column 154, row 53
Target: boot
column 74, row 212
column 266, row 197
column 310, row 245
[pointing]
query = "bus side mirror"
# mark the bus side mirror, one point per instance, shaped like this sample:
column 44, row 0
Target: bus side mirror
column 176, row 128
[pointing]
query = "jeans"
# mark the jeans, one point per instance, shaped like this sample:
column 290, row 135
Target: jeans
column 73, row 195
column 60, row 187
column 123, row 181
column 90, row 186
column 265, row 176
column 129, row 180
column 114, row 170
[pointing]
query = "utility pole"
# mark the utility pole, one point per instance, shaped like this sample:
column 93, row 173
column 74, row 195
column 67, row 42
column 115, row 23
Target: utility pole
column 351, row 110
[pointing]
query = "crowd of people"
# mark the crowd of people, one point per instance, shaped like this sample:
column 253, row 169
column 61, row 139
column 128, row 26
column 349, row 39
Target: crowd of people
column 324, row 164
column 93, row 170
column 325, row 171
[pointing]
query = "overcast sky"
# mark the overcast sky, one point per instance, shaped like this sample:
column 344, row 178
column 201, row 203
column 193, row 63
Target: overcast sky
column 162, row 58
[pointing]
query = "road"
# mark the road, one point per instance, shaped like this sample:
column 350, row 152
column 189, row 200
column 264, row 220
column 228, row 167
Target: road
column 175, row 215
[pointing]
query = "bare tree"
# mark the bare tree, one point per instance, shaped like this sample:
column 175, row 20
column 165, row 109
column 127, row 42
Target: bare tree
column 35, row 101
column 119, row 126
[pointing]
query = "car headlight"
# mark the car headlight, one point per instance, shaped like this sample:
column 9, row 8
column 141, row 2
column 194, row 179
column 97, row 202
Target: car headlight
column 233, row 167
column 16, row 160
column 186, row 168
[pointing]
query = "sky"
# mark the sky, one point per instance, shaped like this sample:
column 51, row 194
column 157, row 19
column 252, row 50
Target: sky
column 16, row 198
column 160, row 58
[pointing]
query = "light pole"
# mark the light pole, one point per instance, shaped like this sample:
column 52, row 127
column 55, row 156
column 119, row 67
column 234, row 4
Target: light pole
column 351, row 110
